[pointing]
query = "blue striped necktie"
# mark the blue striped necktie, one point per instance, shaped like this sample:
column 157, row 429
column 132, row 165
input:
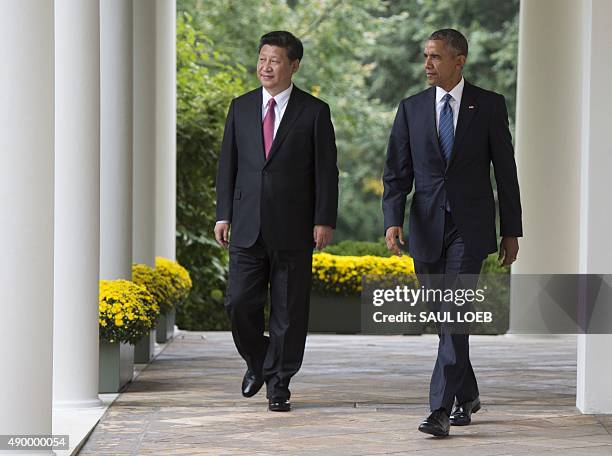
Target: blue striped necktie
column 447, row 128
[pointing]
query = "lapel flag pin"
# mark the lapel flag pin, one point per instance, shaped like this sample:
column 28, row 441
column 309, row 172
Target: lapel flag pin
column 471, row 107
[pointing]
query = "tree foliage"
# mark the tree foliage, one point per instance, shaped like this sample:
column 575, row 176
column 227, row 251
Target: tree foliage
column 205, row 86
column 491, row 29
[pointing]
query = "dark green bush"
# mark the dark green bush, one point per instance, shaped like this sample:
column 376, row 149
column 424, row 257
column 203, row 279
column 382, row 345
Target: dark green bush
column 359, row 248
column 205, row 87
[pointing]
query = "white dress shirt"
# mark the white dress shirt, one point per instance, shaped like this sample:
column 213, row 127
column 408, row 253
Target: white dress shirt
column 279, row 108
column 455, row 102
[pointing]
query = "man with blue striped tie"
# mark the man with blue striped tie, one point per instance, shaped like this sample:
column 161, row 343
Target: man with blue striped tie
column 443, row 141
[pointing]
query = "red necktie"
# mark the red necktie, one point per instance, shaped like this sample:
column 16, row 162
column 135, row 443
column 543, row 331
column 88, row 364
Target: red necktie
column 268, row 127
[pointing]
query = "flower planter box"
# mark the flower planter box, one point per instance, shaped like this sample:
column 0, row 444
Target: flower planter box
column 335, row 314
column 165, row 326
column 116, row 366
column 144, row 350
column 342, row 315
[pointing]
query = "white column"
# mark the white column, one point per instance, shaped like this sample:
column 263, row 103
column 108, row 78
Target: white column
column 165, row 131
column 116, row 139
column 154, row 130
column 144, row 192
column 145, row 149
column 594, row 359
column 77, row 203
column 26, row 202
column 548, row 138
column 564, row 158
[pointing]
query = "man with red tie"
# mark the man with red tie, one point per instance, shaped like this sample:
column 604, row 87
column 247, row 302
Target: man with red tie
column 277, row 188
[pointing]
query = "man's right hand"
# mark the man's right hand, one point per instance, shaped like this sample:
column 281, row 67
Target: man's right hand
column 222, row 233
column 393, row 234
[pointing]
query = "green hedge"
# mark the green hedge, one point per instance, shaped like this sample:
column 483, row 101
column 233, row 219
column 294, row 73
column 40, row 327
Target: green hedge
column 359, row 248
column 205, row 87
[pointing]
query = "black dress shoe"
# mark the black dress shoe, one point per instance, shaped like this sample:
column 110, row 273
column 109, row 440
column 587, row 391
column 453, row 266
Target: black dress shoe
column 436, row 424
column 462, row 413
column 279, row 405
column 251, row 384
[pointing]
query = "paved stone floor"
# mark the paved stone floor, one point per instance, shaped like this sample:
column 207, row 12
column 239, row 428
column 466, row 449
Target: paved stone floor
column 355, row 395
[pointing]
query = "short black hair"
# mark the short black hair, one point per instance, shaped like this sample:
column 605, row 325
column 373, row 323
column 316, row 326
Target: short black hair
column 286, row 40
column 453, row 39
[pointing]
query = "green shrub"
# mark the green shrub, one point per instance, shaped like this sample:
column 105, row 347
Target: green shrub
column 491, row 265
column 205, row 87
column 359, row 248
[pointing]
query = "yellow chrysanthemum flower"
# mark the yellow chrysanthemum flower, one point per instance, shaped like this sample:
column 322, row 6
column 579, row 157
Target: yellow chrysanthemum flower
column 120, row 299
column 168, row 282
column 338, row 274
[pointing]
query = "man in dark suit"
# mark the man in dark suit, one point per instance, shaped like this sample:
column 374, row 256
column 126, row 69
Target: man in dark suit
column 443, row 141
column 277, row 186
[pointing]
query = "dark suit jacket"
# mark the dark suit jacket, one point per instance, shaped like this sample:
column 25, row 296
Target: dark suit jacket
column 414, row 157
column 296, row 188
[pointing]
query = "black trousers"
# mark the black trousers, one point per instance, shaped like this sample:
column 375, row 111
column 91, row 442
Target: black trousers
column 286, row 275
column 453, row 376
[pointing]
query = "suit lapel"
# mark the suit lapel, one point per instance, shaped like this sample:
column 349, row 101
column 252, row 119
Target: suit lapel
column 430, row 126
column 294, row 107
column 467, row 110
column 256, row 125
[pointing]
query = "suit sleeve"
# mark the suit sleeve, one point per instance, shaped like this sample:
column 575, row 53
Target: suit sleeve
column 504, row 166
column 227, row 169
column 398, row 175
column 326, row 170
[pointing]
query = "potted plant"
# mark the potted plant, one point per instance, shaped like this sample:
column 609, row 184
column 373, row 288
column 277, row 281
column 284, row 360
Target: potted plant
column 337, row 282
column 148, row 277
column 177, row 283
column 127, row 311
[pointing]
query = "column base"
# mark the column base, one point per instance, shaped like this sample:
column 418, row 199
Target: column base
column 86, row 404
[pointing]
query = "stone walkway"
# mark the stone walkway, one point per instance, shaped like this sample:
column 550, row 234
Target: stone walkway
column 355, row 395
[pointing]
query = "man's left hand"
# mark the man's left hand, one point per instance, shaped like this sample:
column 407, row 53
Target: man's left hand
column 508, row 250
column 322, row 235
